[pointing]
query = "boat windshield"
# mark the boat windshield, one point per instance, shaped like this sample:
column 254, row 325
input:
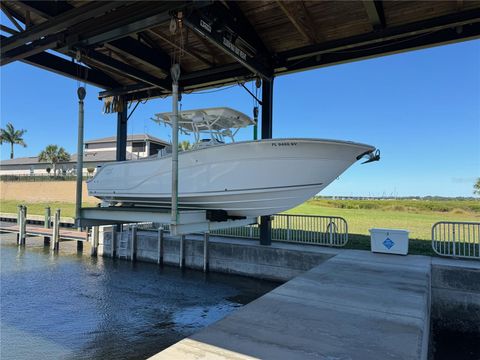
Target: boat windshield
column 218, row 123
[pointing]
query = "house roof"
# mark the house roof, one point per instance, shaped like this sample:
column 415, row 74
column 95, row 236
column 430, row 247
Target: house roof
column 88, row 157
column 130, row 138
column 91, row 156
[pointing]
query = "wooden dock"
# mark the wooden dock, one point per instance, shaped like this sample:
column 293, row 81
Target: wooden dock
column 36, row 230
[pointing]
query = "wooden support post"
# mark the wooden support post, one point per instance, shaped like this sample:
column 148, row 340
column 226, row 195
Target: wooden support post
column 94, row 248
column 79, row 246
column 22, row 226
column 206, row 238
column 181, row 262
column 133, row 256
column 47, row 225
column 161, row 235
column 19, row 222
column 55, row 242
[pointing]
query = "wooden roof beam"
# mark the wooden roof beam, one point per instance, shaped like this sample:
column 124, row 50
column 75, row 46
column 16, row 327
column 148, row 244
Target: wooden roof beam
column 58, row 23
column 218, row 25
column 375, row 13
column 298, row 15
column 27, row 50
column 45, row 9
column 69, row 69
column 8, row 30
column 127, row 70
column 453, row 20
column 142, row 53
column 10, row 16
column 145, row 36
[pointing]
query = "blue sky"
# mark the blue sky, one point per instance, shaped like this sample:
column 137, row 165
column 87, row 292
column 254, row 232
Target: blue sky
column 421, row 108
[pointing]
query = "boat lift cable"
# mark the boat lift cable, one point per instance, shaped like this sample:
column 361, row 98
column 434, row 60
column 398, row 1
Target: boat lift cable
column 133, row 110
column 251, row 93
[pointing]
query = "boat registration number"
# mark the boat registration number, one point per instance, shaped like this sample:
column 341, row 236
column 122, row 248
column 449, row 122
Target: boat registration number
column 286, row 143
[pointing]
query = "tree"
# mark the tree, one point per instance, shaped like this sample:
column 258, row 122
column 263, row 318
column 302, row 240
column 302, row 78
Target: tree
column 184, row 145
column 90, row 171
column 12, row 136
column 476, row 187
column 54, row 155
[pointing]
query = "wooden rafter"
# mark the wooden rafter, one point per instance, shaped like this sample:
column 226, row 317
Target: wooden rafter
column 10, row 17
column 8, row 30
column 187, row 51
column 374, row 9
column 298, row 15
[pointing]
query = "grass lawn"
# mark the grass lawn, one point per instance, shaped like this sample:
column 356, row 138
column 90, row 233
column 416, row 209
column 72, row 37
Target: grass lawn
column 416, row 216
column 66, row 209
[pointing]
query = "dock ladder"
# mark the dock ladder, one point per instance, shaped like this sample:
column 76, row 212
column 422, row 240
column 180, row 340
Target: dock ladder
column 123, row 244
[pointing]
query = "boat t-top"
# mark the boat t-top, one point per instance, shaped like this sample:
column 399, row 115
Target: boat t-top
column 244, row 178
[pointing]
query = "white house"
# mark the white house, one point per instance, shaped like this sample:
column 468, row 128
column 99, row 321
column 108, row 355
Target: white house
column 96, row 153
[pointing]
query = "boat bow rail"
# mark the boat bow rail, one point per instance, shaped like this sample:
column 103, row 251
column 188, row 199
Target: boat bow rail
column 188, row 221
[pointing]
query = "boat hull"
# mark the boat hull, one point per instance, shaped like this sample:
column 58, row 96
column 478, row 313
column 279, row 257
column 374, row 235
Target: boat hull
column 245, row 179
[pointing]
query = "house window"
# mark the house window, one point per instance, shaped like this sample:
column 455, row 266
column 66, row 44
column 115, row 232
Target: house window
column 138, row 147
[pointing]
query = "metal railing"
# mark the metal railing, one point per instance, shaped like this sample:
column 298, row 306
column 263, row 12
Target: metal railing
column 305, row 229
column 456, row 239
column 39, row 178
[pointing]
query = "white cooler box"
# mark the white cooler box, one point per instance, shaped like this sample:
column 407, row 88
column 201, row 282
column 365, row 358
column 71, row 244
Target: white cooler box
column 389, row 241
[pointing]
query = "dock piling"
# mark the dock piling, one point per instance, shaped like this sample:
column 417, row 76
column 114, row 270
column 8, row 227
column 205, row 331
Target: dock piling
column 181, row 262
column 47, row 225
column 55, row 243
column 19, row 215
column 22, row 226
column 206, row 238
column 94, row 247
column 113, row 248
column 133, row 256
column 160, row 246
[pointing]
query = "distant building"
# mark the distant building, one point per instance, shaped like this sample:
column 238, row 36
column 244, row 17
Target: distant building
column 96, row 153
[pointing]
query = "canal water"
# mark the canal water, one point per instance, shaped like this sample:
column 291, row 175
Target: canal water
column 69, row 306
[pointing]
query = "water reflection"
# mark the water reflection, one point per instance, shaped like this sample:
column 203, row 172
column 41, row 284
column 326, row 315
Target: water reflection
column 76, row 307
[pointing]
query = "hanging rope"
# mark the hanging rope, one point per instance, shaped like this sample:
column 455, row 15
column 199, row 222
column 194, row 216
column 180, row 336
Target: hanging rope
column 112, row 104
column 81, row 76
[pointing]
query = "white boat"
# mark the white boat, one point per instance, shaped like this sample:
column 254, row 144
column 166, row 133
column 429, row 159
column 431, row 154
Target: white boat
column 248, row 178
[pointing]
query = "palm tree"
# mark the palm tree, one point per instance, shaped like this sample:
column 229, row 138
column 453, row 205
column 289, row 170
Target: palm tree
column 12, row 136
column 184, row 145
column 476, row 187
column 54, row 155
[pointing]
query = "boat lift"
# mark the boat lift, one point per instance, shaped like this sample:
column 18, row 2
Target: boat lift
column 181, row 222
column 188, row 221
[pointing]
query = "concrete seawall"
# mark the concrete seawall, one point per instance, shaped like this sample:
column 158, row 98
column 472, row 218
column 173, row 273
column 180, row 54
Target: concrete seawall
column 336, row 303
column 237, row 256
column 356, row 305
column 456, row 295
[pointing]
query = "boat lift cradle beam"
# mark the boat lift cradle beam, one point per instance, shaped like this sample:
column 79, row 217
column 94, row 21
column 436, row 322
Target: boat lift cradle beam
column 188, row 221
